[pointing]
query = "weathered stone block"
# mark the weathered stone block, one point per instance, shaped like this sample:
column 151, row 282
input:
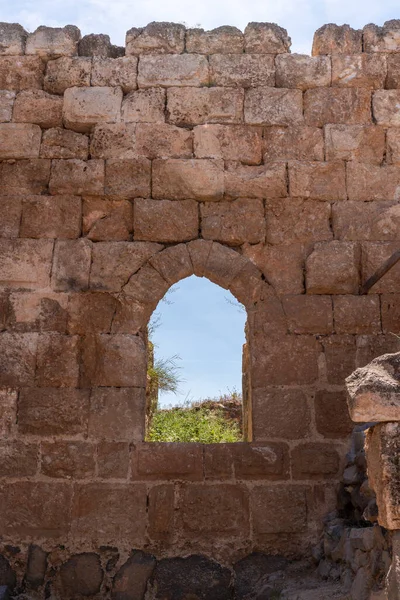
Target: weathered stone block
column 161, row 511
column 188, row 179
column 112, row 72
column 51, row 217
column 165, row 220
column 13, row 37
column 263, row 461
column 117, row 414
column 293, row 143
column 349, row 106
column 222, row 40
column 38, row 107
column 77, row 177
column 63, row 143
column 98, row 45
column 18, row 458
column 359, row 70
column 127, row 179
column 91, row 312
column 282, row 265
column 393, row 71
column 85, row 107
column 333, row 268
column 370, row 182
column 57, row 363
column 242, row 70
column 357, row 314
column 71, row 265
column 385, row 107
column 235, row 142
column 337, row 39
column 222, row 264
column 25, row 263
column 186, row 107
column 67, row 72
column 297, row 220
column 6, row 105
column 173, row 263
column 18, row 359
column 8, row 412
column 332, row 415
column 36, row 566
column 340, row 357
column 53, row 411
column 372, row 346
column 393, row 145
column 11, row 218
column 308, row 314
column 144, row 106
column 156, row 38
column 266, row 38
column 315, row 461
column 146, row 287
column 168, row 461
column 37, row 311
column 280, row 414
column 279, row 509
column 80, row 575
column 113, row 360
column 390, row 309
column 264, row 181
column 382, row 39
column 131, row 579
column 317, row 180
column 302, row 72
column 170, row 70
column 21, row 73
column 273, row 106
column 105, row 219
column 163, row 141
column 374, row 254
column 233, row 223
column 19, row 140
column 24, row 177
column 113, row 460
column 53, row 42
column 67, row 460
column 355, row 142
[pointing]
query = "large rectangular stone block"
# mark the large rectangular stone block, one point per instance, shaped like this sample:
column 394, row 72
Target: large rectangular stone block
column 21, row 73
column 166, row 221
column 188, row 179
column 315, row 461
column 264, row 181
column 144, row 106
column 153, row 461
column 273, row 106
column 53, row 42
column 11, row 217
column 6, row 105
column 77, row 177
column 308, row 314
column 117, row 414
column 113, row 460
column 67, row 72
column 340, row 357
column 293, row 143
column 282, row 265
column 84, row 107
column 278, row 509
column 71, row 265
column 39, row 107
column 333, row 268
column 19, row 140
column 187, row 107
column 105, row 219
column 67, row 459
column 63, row 143
column 231, row 142
column 13, row 38
column 386, row 107
column 294, row 220
column 25, row 263
column 350, row 106
column 366, row 221
column 159, row 140
column 222, row 40
column 382, row 39
column 113, row 72
column 280, row 414
column 393, row 71
column 266, row 38
column 127, row 179
column 259, row 460
column 51, row 217
column 18, row 359
column 233, row 223
column 390, row 308
column 373, row 255
column 359, row 70
column 57, row 363
column 337, row 39
column 371, row 182
column 302, row 72
column 173, row 70
column 156, row 38
column 242, row 70
column 355, row 142
column 317, row 180
column 357, row 314
column 24, row 177
column 332, row 415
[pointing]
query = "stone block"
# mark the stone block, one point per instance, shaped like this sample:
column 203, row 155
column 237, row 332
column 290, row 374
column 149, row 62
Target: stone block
column 67, row 460
column 96, row 513
column 382, row 39
column 359, row 70
column 163, row 141
column 173, row 264
column 22, row 177
column 218, row 461
column 117, row 414
column 337, row 39
column 242, row 70
column 278, row 509
column 393, row 71
column 127, row 179
column 67, row 72
column 390, row 309
column 266, row 38
column 317, row 180
column 98, row 45
column 260, row 460
column 113, row 263
column 53, row 42
column 360, row 143
column 77, row 177
column 38, row 107
column 113, row 72
column 63, row 143
column 105, row 219
column 165, row 221
column 357, row 314
column 369, row 182
column 302, row 72
column 223, row 265
column 113, row 460
column 85, row 107
column 8, row 412
column 26, row 514
column 116, row 360
column 293, row 143
column 264, row 181
column 71, row 265
column 161, row 510
column 91, row 312
column 11, row 218
column 19, row 140
column 372, row 346
column 21, row 73
column 37, row 311
column 282, row 265
column 315, row 461
column 216, row 509
column 374, row 254
column 393, row 145
column 333, row 268
column 51, row 217
column 53, row 411
column 6, row 105
column 340, row 357
column 156, row 38
column 146, row 287
column 308, row 314
column 176, row 179
column 233, row 223
column 187, row 107
column 25, row 263
column 57, row 363
column 280, row 414
column 168, row 461
column 222, row 40
column 234, row 142
column 144, row 106
column 332, row 415
column 297, row 220
column 273, row 106
column 18, row 458
column 169, row 70
column 385, row 107
column 80, row 575
column 36, row 567
column 382, row 450
column 13, row 37
column 347, row 106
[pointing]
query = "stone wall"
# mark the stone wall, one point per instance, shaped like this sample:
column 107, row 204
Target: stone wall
column 217, row 154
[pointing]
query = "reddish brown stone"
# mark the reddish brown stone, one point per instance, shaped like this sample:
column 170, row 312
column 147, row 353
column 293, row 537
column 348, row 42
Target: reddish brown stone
column 6, row 105
column 355, row 142
column 19, row 140
column 117, row 414
column 24, row 177
column 167, row 461
column 146, row 287
column 302, row 72
column 297, row 220
column 21, row 73
column 393, row 71
column 280, row 414
column 77, row 177
column 127, row 179
column 350, row 106
column 25, row 263
column 233, row 223
column 370, row 182
column 165, row 220
column 266, row 38
column 11, row 217
column 18, row 459
column 390, row 307
column 337, row 39
column 293, row 143
column 333, row 268
column 173, row 263
column 91, row 312
column 357, row 314
column 372, row 346
column 176, row 179
column 278, row 509
column 163, row 141
column 38, row 107
column 315, row 461
column 51, row 217
column 218, row 461
column 332, row 415
column 71, row 265
column 264, row 181
column 57, row 361
column 18, row 359
column 38, row 311
column 260, row 461
column 309, row 314
column 113, row 460
column 374, row 254
column 366, row 221
column 161, row 510
column 104, row 219
column 340, row 356
column 359, row 70
column 317, row 180
column 192, row 106
column 8, row 412
column 62, row 143
column 114, row 141
column 67, row 72
column 67, row 460
column 234, row 142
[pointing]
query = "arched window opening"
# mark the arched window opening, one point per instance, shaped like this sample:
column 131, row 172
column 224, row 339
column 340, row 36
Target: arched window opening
column 196, row 381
